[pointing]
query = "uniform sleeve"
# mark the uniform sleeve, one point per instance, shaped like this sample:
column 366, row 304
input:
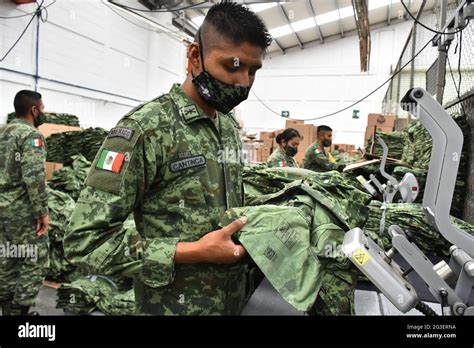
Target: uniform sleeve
column 96, row 238
column 275, row 160
column 33, row 159
column 318, row 161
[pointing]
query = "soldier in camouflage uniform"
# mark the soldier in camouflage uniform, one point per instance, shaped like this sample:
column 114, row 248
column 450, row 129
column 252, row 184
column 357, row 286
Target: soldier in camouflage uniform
column 288, row 142
column 23, row 206
column 175, row 163
column 317, row 157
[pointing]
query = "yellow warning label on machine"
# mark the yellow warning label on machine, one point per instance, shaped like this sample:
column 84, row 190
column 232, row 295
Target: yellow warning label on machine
column 360, row 256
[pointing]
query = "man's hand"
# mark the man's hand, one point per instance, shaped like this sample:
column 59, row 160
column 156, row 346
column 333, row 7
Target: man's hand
column 42, row 225
column 215, row 247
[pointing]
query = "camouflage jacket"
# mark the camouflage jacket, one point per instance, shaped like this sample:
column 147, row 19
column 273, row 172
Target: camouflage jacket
column 318, row 159
column 294, row 236
column 280, row 159
column 166, row 163
column 23, row 196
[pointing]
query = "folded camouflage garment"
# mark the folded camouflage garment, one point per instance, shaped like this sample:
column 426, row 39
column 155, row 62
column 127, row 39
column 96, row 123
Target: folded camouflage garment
column 294, row 236
column 87, row 294
column 410, row 216
column 70, row 179
column 60, row 207
column 62, row 146
column 52, row 117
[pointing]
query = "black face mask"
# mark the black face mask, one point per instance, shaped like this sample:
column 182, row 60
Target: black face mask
column 327, row 143
column 38, row 121
column 217, row 94
column 290, row 150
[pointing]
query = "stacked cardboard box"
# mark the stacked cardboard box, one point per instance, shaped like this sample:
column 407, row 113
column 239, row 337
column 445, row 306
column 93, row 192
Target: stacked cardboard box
column 380, row 123
column 48, row 129
column 266, row 139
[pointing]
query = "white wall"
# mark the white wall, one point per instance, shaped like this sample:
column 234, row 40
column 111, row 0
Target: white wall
column 87, row 44
column 322, row 79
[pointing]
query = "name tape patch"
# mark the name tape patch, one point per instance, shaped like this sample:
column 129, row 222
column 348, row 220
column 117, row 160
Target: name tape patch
column 187, row 163
column 121, row 133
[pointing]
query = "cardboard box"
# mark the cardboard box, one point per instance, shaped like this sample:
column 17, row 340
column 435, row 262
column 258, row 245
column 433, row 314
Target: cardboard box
column 276, row 132
column 401, row 124
column 381, row 120
column 292, row 123
column 369, row 131
column 51, row 167
column 268, row 143
column 50, row 128
column 266, row 135
column 306, row 131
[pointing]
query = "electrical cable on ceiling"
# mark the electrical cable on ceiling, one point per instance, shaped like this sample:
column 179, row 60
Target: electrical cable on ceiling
column 36, row 13
column 27, row 14
column 360, row 100
column 167, row 10
column 126, row 19
column 428, row 28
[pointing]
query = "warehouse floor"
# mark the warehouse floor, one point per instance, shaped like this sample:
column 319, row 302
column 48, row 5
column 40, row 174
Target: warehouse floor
column 265, row 301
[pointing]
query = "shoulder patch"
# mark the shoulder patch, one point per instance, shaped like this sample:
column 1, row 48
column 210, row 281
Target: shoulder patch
column 125, row 133
column 38, row 142
column 317, row 151
column 110, row 160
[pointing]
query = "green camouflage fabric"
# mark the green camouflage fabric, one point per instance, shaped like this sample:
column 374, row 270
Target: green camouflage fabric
column 296, row 247
column 71, row 178
column 60, row 207
column 53, row 117
column 63, row 146
column 179, row 174
column 280, row 159
column 333, row 189
column 395, row 142
column 88, row 294
column 23, row 198
column 417, row 153
column 316, row 159
column 410, row 216
column 22, row 172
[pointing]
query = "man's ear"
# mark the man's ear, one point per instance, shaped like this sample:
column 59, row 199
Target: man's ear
column 194, row 57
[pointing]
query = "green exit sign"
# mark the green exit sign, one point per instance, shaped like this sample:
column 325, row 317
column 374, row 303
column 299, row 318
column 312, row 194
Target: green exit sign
column 355, row 114
column 285, row 114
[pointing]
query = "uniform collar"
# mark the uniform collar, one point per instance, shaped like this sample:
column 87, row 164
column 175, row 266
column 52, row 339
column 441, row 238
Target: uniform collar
column 20, row 120
column 187, row 108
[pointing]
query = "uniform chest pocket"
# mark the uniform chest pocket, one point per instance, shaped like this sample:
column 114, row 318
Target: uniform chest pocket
column 185, row 193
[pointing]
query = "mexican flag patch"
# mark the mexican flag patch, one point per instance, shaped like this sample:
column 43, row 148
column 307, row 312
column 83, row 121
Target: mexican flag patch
column 111, row 161
column 282, row 164
column 37, row 142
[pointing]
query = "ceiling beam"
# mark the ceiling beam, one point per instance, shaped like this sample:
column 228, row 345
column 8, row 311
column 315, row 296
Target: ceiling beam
column 321, row 37
column 289, row 23
column 339, row 20
column 389, row 12
column 279, row 46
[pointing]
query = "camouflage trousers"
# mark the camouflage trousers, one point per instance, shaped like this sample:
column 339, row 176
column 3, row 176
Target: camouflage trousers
column 23, row 266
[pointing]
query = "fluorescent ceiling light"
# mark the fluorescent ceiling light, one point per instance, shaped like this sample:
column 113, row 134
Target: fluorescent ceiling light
column 303, row 24
column 325, row 18
column 262, row 6
column 280, row 31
